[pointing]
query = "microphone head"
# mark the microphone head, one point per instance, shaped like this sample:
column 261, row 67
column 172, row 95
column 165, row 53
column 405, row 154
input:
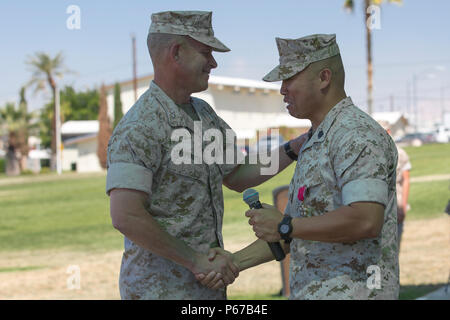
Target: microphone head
column 250, row 196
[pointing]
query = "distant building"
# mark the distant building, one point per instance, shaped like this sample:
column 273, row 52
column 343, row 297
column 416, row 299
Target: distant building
column 79, row 140
column 398, row 123
column 37, row 155
column 248, row 106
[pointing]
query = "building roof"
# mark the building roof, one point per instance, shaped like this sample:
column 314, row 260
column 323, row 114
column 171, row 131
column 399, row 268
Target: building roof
column 245, row 83
column 390, row 117
column 79, row 127
column 215, row 80
column 79, row 139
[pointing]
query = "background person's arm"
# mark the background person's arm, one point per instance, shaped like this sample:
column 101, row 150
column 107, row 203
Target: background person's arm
column 405, row 195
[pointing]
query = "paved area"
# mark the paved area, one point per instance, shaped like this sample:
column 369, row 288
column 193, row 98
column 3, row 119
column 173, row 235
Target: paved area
column 440, row 294
column 437, row 177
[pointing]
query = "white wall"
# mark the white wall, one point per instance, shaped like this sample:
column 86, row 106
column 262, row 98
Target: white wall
column 69, row 156
column 245, row 110
column 84, row 154
column 87, row 156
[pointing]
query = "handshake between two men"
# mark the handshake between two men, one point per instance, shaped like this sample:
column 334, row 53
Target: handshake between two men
column 163, row 208
column 264, row 218
column 265, row 223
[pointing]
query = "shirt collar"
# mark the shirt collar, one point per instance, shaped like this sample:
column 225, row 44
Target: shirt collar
column 321, row 132
column 177, row 117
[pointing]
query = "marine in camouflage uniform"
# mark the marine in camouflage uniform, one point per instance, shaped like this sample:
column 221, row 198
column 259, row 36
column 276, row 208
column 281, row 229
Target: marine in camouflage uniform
column 185, row 199
column 402, row 183
column 402, row 203
column 348, row 159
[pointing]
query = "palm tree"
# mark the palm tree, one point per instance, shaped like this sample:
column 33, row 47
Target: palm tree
column 15, row 123
column 349, row 5
column 10, row 121
column 45, row 69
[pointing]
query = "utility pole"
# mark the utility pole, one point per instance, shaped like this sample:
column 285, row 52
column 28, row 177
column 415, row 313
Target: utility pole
column 416, row 112
column 133, row 40
column 408, row 98
column 58, row 130
column 442, row 106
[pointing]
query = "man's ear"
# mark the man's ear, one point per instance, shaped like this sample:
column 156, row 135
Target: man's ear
column 174, row 52
column 325, row 78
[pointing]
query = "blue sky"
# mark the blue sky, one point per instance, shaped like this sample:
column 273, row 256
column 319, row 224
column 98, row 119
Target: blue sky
column 413, row 39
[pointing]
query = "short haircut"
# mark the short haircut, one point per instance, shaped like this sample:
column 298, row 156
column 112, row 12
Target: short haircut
column 333, row 63
column 157, row 42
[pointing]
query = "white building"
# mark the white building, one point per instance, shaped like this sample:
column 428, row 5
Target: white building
column 246, row 105
column 398, row 123
column 80, row 146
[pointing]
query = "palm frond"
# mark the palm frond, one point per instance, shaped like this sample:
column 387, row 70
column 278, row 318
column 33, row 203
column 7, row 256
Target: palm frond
column 349, row 5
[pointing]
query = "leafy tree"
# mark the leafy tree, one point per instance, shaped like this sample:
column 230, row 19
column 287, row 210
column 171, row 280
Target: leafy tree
column 82, row 105
column 74, row 106
column 118, row 112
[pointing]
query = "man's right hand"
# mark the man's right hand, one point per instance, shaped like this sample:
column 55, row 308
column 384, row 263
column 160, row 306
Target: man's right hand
column 218, row 278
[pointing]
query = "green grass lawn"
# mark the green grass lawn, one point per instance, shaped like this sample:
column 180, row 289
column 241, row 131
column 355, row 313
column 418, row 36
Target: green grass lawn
column 73, row 213
column 429, row 159
column 428, row 199
column 64, row 213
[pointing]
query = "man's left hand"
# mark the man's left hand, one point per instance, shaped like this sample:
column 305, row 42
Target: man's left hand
column 214, row 280
column 265, row 222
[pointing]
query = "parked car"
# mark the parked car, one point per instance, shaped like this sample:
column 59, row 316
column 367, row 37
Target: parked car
column 417, row 139
column 442, row 134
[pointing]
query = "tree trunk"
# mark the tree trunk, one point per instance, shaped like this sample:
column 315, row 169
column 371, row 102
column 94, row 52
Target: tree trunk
column 22, row 133
column 369, row 59
column 12, row 163
column 52, row 83
column 22, row 147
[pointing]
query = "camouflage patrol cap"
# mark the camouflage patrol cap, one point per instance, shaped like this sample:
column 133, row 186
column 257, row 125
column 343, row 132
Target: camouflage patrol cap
column 297, row 54
column 195, row 24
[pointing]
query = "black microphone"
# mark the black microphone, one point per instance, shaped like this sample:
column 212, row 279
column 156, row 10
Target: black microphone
column 251, row 197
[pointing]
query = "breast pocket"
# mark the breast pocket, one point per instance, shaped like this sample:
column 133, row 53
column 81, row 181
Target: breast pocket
column 188, row 172
column 316, row 201
column 182, row 189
